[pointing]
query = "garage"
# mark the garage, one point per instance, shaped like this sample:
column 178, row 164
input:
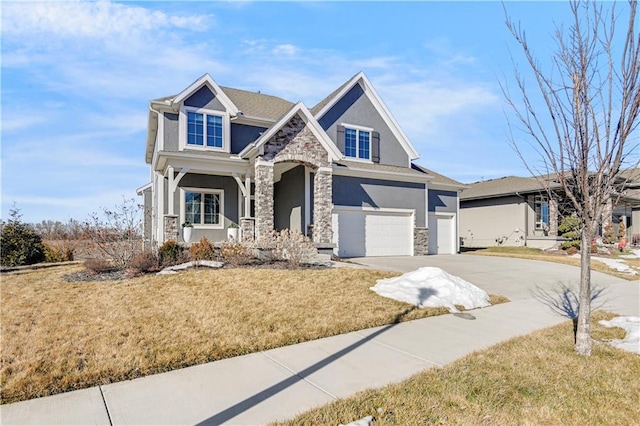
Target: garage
column 442, row 233
column 359, row 232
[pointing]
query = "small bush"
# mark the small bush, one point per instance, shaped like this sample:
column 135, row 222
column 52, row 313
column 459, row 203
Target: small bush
column 170, row 253
column 143, row 263
column 572, row 250
column 570, row 228
column 98, row 266
column 293, row 247
column 19, row 243
column 54, row 253
column 607, row 236
column 235, row 253
column 202, row 250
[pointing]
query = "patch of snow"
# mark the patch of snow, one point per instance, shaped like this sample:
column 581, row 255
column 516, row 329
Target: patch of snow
column 615, row 264
column 635, row 254
column 183, row 266
column 631, row 325
column 432, row 287
column 365, row 421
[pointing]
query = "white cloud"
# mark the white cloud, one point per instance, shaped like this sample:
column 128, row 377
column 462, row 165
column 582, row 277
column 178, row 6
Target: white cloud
column 285, row 49
column 95, row 20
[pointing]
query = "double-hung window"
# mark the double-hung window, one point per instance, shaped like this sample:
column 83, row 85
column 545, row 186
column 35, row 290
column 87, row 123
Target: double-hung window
column 202, row 208
column 204, row 130
column 357, row 143
column 541, row 207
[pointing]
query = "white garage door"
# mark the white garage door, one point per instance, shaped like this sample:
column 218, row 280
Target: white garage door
column 441, row 234
column 372, row 233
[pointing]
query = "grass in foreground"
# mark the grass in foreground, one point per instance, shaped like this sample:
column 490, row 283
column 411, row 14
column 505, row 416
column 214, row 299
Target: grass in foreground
column 530, row 380
column 537, row 254
column 59, row 336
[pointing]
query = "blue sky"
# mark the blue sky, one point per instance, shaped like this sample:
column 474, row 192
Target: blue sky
column 77, row 78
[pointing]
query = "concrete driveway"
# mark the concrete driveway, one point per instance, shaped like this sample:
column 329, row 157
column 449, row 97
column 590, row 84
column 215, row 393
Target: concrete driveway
column 517, row 279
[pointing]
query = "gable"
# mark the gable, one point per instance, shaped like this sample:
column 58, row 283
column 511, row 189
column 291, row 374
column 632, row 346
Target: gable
column 204, row 98
column 296, row 141
column 356, row 108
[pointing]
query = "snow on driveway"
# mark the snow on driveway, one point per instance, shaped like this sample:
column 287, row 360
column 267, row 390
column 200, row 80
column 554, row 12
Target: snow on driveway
column 432, row 287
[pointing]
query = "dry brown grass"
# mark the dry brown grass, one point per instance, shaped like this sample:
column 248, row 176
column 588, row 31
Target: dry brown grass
column 595, row 265
column 59, row 336
column 531, row 380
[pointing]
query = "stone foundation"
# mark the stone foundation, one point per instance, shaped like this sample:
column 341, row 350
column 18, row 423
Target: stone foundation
column 264, row 199
column 171, row 228
column 420, row 241
column 247, row 228
column 322, row 206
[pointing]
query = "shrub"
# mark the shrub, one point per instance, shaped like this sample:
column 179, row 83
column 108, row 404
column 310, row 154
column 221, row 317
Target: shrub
column 99, row 266
column 143, row 263
column 622, row 231
column 54, row 253
column 235, row 253
column 572, row 250
column 607, row 236
column 19, row 243
column 570, row 228
column 202, row 250
column 170, row 253
column 293, row 247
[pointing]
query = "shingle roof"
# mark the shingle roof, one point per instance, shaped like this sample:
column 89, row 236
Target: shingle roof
column 502, row 186
column 438, row 178
column 379, row 167
column 316, row 109
column 254, row 104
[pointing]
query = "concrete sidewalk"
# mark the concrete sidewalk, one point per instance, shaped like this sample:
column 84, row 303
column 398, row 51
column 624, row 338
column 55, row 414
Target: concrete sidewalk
column 280, row 383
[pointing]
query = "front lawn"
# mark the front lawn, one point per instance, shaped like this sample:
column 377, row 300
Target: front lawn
column 59, row 336
column 530, row 380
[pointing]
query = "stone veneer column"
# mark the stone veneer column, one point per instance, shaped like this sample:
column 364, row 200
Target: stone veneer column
column 322, row 205
column 247, row 228
column 171, row 228
column 553, row 217
column 264, row 198
column 420, row 241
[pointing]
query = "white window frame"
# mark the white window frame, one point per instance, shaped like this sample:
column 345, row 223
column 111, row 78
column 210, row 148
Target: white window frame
column 358, row 129
column 540, row 225
column 183, row 199
column 183, row 129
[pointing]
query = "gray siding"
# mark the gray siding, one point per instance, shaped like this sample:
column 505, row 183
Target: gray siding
column 148, row 214
column 242, row 135
column 204, row 98
column 350, row 191
column 225, row 183
column 171, row 129
column 442, row 201
column 289, row 201
column 355, row 108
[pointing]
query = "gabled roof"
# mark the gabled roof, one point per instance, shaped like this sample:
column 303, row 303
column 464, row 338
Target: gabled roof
column 326, row 104
column 440, row 180
column 206, row 80
column 300, row 109
column 504, row 186
column 258, row 105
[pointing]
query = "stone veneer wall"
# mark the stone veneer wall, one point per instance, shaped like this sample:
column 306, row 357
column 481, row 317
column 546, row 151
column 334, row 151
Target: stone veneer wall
column 553, row 216
column 420, row 241
column 247, row 228
column 322, row 190
column 295, row 142
column 264, row 199
column 171, row 228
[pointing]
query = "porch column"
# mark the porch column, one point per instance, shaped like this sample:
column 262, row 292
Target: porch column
column 553, row 216
column 264, row 198
column 322, row 205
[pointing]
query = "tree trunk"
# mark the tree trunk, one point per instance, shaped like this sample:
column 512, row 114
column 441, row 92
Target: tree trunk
column 583, row 332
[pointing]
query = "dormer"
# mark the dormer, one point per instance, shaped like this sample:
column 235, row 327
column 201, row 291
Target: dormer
column 204, row 117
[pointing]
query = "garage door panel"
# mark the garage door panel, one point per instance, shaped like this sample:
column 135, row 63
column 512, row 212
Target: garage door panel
column 366, row 233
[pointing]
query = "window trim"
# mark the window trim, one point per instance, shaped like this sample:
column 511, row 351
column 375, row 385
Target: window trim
column 358, row 129
column 184, row 129
column 539, row 200
column 183, row 199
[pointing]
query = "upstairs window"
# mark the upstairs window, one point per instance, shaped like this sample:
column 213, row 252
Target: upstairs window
column 199, row 133
column 357, row 143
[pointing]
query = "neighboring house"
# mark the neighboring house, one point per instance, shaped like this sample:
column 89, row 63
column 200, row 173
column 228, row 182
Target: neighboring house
column 516, row 211
column 340, row 172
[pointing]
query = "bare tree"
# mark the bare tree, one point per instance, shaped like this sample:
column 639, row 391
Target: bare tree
column 583, row 127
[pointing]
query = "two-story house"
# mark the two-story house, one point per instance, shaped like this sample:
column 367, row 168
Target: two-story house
column 341, row 172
